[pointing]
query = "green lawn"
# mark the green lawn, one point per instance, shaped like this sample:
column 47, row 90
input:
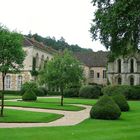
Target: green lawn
column 68, row 101
column 9, row 96
column 45, row 105
column 11, row 115
column 126, row 128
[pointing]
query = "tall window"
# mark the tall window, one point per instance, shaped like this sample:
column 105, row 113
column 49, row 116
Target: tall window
column 91, row 73
column 104, row 73
column 131, row 65
column 119, row 80
column 19, row 82
column 98, row 75
column 131, row 81
column 8, row 82
column 119, row 66
column 37, row 60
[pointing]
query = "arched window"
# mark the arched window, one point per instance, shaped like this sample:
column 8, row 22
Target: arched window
column 119, row 66
column 131, row 65
column 119, row 81
column 19, row 82
column 91, row 73
column 131, row 81
column 7, row 82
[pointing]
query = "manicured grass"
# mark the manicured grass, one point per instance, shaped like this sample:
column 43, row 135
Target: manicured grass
column 46, row 105
column 127, row 128
column 69, row 100
column 11, row 115
column 7, row 97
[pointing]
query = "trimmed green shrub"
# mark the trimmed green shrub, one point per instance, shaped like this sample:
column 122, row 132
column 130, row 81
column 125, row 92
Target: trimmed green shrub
column 90, row 91
column 105, row 108
column 71, row 92
column 45, row 90
column 51, row 93
column 29, row 95
column 121, row 102
column 130, row 92
column 12, row 92
column 28, row 86
column 40, row 92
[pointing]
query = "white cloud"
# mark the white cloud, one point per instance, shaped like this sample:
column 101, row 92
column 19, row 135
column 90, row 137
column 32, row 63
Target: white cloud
column 68, row 18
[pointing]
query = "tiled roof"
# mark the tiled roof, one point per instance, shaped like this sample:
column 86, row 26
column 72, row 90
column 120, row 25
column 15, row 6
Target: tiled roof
column 32, row 42
column 93, row 59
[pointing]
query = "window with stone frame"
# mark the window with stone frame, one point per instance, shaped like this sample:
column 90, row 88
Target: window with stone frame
column 131, row 81
column 91, row 73
column 104, row 74
column 119, row 81
column 98, row 75
column 19, row 82
column 8, row 82
column 132, row 65
column 119, row 66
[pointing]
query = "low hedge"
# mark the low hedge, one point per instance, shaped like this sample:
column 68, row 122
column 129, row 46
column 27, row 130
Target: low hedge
column 12, row 92
column 40, row 91
column 130, row 92
column 71, row 92
column 105, row 108
column 90, row 91
column 54, row 93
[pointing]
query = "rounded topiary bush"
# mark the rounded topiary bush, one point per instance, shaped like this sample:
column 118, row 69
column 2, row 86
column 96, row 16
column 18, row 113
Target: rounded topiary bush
column 121, row 102
column 29, row 96
column 105, row 108
column 28, row 86
column 90, row 91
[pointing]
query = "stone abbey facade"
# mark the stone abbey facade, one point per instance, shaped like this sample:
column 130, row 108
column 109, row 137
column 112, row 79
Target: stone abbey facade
column 94, row 64
column 125, row 70
column 34, row 51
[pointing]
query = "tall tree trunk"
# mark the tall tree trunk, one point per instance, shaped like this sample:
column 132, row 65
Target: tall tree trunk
column 62, row 96
column 3, row 89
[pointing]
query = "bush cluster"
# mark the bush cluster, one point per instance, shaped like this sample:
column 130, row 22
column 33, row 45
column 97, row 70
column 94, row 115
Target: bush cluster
column 54, row 93
column 105, row 108
column 90, row 91
column 130, row 92
column 41, row 91
column 72, row 91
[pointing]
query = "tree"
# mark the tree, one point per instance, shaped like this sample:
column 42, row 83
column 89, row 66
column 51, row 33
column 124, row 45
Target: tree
column 117, row 25
column 62, row 71
column 11, row 55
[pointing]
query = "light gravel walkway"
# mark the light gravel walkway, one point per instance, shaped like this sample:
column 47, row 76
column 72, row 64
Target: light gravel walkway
column 70, row 117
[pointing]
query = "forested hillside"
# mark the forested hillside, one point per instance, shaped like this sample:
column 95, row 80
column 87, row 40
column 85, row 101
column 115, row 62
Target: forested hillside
column 60, row 44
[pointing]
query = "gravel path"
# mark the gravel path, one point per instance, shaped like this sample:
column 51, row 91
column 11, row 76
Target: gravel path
column 70, row 117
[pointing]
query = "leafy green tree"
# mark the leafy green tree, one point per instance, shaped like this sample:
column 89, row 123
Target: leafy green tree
column 117, row 25
column 62, row 71
column 11, row 55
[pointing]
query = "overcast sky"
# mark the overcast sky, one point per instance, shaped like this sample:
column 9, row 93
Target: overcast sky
column 68, row 18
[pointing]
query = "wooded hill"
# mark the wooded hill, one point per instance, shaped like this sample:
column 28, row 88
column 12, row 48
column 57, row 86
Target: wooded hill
column 59, row 45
